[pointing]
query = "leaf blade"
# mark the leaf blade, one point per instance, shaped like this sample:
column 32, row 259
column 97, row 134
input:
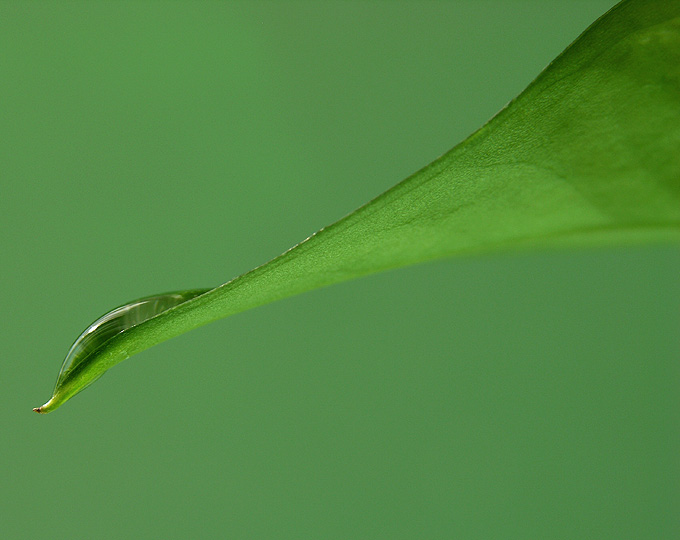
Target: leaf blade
column 588, row 153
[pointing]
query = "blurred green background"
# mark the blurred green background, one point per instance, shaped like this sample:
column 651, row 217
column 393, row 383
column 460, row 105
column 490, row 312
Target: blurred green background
column 155, row 146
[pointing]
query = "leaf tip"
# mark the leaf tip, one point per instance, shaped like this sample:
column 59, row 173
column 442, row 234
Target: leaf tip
column 47, row 407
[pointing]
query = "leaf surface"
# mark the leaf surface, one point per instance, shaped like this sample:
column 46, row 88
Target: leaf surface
column 588, row 154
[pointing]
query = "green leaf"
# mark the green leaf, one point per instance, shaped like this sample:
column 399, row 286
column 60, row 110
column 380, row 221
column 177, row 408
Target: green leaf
column 589, row 154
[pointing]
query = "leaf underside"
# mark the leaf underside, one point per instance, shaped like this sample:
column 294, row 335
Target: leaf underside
column 589, row 154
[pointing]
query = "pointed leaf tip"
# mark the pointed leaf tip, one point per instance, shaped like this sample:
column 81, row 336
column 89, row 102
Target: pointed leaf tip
column 47, row 407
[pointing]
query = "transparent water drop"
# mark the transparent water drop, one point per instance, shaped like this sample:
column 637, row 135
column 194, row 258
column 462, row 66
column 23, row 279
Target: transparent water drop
column 118, row 320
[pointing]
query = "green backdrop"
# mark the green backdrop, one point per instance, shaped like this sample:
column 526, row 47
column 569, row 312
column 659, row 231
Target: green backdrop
column 155, row 146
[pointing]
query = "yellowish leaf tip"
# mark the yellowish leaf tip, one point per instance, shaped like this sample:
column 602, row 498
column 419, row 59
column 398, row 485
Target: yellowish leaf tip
column 47, row 407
